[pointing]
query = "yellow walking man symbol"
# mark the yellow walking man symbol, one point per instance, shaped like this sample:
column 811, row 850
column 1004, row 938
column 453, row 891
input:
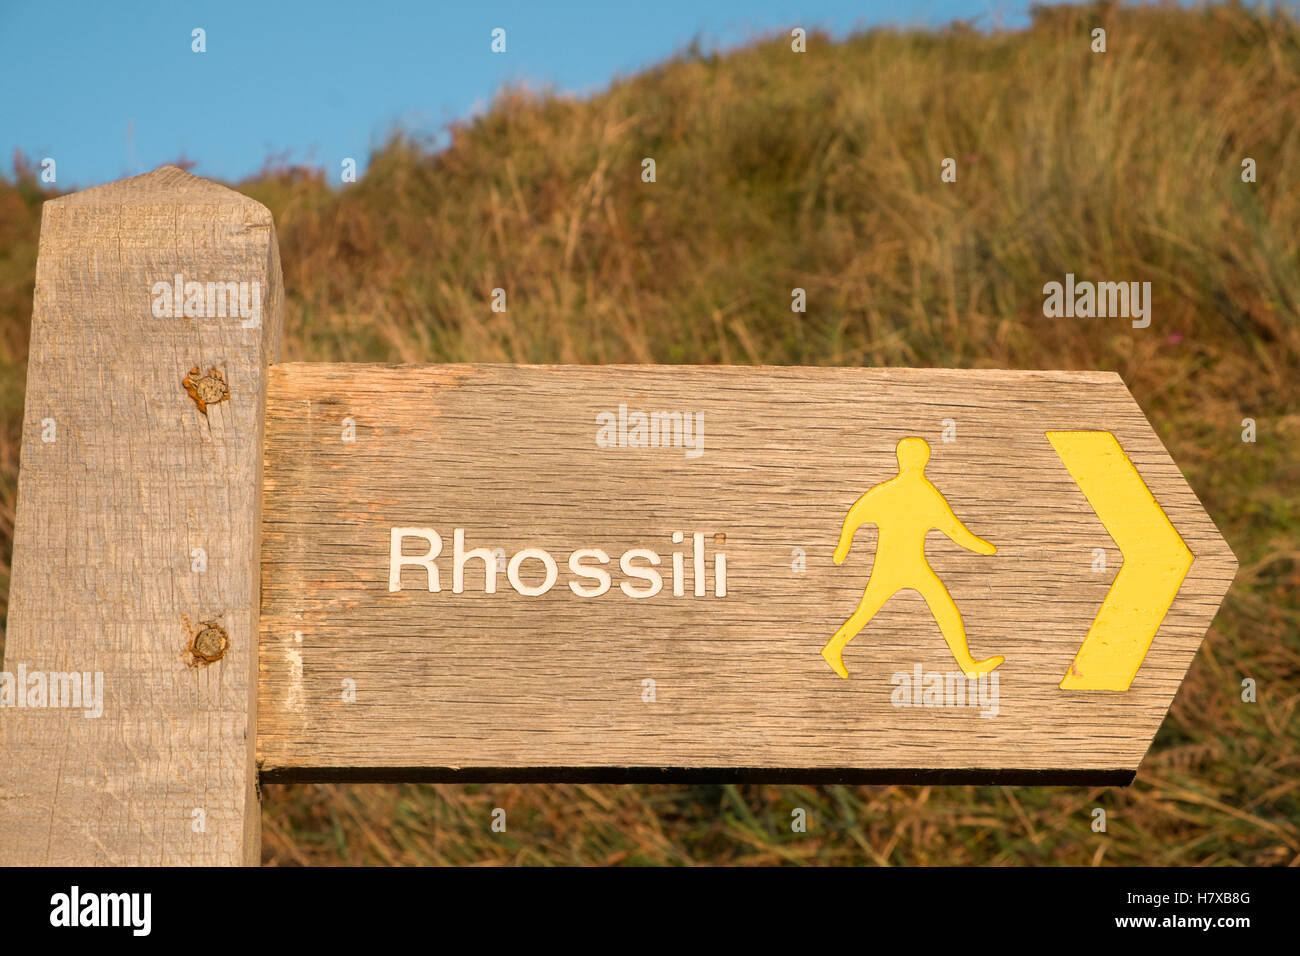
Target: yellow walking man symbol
column 904, row 509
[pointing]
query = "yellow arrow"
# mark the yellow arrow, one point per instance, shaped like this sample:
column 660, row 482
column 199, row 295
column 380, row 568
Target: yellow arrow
column 1155, row 561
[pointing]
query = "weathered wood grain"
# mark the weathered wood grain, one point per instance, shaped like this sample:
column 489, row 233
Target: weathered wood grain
column 504, row 686
column 109, row 514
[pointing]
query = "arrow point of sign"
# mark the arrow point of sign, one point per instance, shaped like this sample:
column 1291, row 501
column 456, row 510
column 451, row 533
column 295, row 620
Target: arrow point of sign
column 1156, row 559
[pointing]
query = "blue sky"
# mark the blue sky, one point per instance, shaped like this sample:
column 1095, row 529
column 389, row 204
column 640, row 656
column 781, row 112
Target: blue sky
column 110, row 88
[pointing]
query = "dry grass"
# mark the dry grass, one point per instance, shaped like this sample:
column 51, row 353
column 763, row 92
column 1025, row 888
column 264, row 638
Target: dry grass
column 822, row 171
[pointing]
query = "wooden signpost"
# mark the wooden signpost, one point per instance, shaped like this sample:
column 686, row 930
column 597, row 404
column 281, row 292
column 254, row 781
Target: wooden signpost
column 548, row 573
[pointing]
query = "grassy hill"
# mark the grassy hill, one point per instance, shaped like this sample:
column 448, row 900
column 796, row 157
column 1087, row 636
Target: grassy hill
column 821, row 170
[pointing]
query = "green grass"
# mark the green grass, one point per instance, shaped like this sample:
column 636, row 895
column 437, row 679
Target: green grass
column 821, row 171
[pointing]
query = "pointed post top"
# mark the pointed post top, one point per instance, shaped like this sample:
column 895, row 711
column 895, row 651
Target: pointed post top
column 166, row 184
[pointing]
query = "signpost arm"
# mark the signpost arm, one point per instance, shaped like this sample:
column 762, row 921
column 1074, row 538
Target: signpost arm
column 131, row 659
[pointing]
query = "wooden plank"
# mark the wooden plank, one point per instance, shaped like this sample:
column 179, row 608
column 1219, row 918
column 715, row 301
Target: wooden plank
column 122, row 478
column 359, row 681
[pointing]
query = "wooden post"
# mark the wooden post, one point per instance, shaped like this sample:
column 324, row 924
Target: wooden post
column 133, row 623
